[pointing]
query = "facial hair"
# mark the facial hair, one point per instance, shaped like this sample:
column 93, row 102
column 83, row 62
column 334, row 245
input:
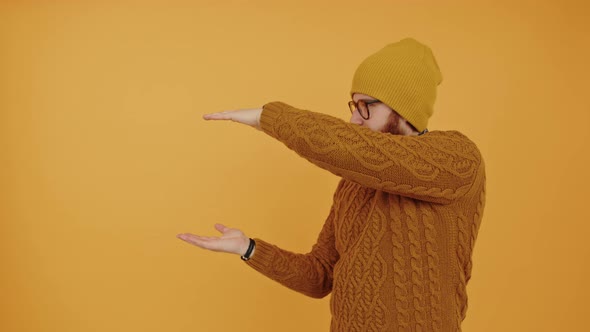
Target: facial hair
column 397, row 125
column 393, row 123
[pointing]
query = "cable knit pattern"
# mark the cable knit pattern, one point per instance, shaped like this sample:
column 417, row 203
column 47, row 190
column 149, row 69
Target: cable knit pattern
column 433, row 268
column 400, row 280
column 461, row 293
column 395, row 250
column 417, row 277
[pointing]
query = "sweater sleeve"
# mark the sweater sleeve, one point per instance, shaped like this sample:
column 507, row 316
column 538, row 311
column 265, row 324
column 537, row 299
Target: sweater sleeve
column 309, row 274
column 439, row 166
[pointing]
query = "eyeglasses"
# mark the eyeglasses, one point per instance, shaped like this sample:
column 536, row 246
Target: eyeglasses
column 362, row 106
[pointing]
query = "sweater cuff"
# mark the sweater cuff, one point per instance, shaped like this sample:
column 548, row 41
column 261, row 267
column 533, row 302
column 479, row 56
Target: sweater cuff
column 262, row 258
column 270, row 114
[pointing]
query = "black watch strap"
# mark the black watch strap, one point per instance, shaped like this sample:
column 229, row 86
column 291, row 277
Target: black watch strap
column 248, row 253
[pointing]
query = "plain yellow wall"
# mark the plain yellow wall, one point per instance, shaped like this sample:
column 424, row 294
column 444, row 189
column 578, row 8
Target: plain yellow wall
column 104, row 156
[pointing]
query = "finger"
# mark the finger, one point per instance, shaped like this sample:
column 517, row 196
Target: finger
column 218, row 116
column 191, row 237
column 199, row 241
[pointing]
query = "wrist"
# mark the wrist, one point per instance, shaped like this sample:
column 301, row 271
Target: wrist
column 244, row 246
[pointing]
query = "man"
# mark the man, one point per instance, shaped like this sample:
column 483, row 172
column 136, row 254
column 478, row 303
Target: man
column 395, row 250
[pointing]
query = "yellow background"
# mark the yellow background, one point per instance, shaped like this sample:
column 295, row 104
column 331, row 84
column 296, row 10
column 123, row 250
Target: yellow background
column 104, row 156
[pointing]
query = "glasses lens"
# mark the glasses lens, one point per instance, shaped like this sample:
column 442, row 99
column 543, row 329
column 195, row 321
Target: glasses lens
column 351, row 106
column 363, row 109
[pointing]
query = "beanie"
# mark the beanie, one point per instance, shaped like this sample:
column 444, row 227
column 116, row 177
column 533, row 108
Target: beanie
column 404, row 76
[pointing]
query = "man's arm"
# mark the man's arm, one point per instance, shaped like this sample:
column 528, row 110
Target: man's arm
column 437, row 167
column 309, row 274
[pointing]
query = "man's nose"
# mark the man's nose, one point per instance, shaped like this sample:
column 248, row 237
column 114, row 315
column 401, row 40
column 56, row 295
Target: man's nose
column 356, row 118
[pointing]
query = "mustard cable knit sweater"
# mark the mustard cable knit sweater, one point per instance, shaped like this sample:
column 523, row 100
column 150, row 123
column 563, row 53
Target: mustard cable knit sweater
column 395, row 250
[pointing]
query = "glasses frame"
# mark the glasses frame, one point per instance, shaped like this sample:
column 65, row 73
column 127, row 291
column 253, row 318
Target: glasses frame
column 362, row 106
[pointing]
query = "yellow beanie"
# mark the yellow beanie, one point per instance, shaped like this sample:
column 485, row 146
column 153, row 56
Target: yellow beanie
column 404, row 76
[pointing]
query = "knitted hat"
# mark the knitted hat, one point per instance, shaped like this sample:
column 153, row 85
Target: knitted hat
column 404, row 76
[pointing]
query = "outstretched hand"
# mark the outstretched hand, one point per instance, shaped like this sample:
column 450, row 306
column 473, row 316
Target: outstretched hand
column 249, row 117
column 232, row 240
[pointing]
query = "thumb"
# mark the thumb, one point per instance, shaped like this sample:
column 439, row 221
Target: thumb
column 221, row 228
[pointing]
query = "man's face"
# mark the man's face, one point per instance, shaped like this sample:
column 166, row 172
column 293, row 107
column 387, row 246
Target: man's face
column 382, row 118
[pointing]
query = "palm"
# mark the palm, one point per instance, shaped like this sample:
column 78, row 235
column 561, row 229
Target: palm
column 232, row 240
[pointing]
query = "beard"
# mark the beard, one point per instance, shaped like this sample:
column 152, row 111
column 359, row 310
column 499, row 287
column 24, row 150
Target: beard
column 397, row 125
column 393, row 124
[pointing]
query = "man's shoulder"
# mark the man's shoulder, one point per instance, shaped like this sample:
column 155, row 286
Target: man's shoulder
column 446, row 133
column 453, row 141
column 453, row 136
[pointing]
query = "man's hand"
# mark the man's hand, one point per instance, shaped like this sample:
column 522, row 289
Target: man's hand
column 249, row 117
column 232, row 241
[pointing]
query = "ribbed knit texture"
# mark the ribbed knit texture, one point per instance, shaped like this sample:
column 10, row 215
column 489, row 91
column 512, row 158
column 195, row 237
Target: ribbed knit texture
column 403, row 75
column 395, row 250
